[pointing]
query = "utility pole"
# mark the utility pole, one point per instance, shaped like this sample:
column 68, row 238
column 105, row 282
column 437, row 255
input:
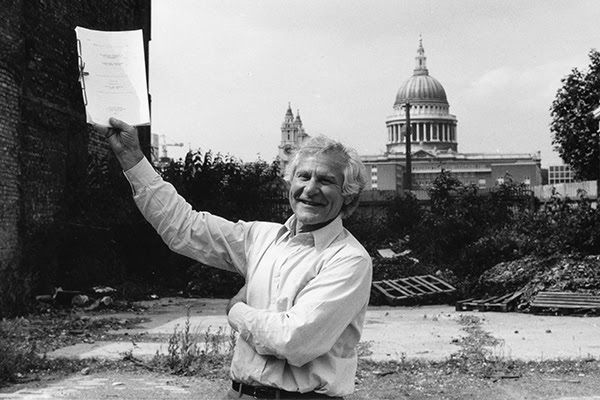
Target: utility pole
column 408, row 172
column 596, row 114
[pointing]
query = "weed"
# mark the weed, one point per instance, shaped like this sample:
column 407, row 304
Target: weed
column 205, row 353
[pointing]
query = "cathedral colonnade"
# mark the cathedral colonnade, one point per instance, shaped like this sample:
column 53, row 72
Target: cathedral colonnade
column 423, row 132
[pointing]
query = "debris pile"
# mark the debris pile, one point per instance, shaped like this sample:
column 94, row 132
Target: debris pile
column 559, row 273
column 579, row 274
column 97, row 297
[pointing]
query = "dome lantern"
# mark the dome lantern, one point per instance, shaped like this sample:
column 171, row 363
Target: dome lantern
column 421, row 68
column 421, row 88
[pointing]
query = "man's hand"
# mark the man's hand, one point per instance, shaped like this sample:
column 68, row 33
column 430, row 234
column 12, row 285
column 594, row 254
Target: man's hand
column 124, row 142
column 240, row 297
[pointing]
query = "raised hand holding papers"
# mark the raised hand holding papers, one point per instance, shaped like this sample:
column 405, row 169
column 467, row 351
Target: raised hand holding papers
column 113, row 76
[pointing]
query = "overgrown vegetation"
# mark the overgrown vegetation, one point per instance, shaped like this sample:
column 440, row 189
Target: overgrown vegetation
column 100, row 238
column 230, row 188
column 462, row 232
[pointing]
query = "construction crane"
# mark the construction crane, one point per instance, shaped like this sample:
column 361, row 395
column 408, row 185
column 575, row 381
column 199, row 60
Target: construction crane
column 164, row 146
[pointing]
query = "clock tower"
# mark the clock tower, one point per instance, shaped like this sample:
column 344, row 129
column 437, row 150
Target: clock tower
column 292, row 136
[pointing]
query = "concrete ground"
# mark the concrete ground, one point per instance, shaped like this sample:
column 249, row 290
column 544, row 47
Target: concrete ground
column 390, row 333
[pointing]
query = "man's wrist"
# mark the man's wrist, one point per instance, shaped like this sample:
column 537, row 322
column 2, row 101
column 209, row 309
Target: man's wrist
column 129, row 160
column 232, row 302
column 235, row 315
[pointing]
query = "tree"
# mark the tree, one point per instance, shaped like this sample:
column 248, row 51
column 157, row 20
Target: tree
column 574, row 129
column 230, row 188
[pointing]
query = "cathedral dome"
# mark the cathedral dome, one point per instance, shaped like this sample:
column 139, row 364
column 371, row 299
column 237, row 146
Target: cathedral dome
column 421, row 87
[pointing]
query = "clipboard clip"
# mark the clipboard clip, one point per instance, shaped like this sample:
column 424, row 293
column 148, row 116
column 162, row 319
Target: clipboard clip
column 82, row 72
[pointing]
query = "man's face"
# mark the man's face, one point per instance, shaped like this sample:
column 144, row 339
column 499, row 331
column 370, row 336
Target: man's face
column 316, row 191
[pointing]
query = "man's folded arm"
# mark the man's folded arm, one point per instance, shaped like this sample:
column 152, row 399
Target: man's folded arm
column 322, row 311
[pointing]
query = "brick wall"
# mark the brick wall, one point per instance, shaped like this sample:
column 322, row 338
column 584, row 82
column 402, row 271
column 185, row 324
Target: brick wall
column 9, row 148
column 44, row 140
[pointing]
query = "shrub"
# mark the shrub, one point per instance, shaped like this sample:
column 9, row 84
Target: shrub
column 18, row 356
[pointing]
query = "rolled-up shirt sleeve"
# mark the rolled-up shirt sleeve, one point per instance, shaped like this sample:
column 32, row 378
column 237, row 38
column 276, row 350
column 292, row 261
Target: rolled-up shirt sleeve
column 322, row 311
column 201, row 236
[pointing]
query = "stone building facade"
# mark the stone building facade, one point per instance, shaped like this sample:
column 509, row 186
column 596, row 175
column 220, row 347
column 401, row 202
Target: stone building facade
column 434, row 143
column 44, row 139
column 292, row 137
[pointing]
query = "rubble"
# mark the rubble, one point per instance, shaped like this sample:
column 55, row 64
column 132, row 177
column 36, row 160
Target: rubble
column 103, row 289
column 559, row 273
column 80, row 300
column 75, row 298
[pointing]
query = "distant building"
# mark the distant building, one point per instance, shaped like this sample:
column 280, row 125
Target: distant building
column 560, row 174
column 292, row 137
column 434, row 143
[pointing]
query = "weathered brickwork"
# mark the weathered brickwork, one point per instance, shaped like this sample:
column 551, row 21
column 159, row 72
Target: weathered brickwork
column 43, row 134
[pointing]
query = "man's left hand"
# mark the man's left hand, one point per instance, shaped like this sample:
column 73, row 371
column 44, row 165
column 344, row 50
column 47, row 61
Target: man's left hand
column 240, row 297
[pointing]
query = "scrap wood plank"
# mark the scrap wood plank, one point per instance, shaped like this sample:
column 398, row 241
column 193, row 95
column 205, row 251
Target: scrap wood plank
column 383, row 287
column 436, row 282
column 567, row 296
column 387, row 253
column 413, row 287
column 472, row 304
column 426, row 284
column 564, row 300
column 504, row 303
column 400, row 288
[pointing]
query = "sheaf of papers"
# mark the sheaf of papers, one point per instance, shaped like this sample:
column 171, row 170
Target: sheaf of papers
column 113, row 76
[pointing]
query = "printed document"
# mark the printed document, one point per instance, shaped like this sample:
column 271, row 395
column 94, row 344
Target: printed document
column 113, row 76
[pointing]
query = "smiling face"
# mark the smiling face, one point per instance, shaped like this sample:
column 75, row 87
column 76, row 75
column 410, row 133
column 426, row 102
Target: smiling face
column 316, row 191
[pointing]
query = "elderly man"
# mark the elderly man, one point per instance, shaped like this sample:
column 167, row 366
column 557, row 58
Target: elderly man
column 300, row 314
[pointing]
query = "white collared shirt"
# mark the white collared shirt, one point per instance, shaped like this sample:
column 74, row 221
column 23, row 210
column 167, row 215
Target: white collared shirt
column 307, row 293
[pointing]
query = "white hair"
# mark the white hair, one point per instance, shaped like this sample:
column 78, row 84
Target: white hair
column 355, row 174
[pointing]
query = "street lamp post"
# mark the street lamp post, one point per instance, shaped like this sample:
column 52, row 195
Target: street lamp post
column 596, row 113
column 408, row 173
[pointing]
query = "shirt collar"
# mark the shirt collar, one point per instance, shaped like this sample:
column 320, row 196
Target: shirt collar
column 322, row 237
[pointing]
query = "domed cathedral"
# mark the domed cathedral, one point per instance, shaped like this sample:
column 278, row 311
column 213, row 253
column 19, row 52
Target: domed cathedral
column 434, row 143
column 292, row 137
column 433, row 128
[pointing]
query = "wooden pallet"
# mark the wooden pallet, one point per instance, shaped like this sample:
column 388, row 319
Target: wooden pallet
column 504, row 303
column 412, row 289
column 564, row 301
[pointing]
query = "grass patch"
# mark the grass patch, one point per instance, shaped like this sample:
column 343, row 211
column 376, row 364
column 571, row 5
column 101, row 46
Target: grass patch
column 18, row 357
column 24, row 342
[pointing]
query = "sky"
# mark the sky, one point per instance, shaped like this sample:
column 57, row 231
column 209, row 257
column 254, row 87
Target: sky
column 223, row 72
